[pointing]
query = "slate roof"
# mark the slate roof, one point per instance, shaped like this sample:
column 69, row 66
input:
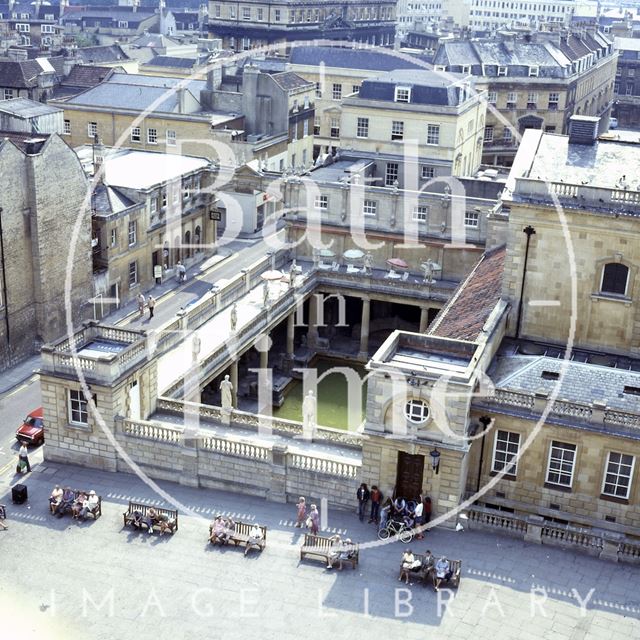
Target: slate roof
column 84, row 75
column 101, row 53
column 20, row 139
column 20, row 75
column 343, row 58
column 427, row 87
column 472, row 303
column 172, row 61
column 25, row 108
column 123, row 96
column 290, row 81
column 107, row 200
column 154, row 40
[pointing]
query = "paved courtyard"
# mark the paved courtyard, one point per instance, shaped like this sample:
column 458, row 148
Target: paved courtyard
column 66, row 580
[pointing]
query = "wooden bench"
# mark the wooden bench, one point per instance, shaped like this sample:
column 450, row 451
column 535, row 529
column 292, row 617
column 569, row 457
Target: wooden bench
column 170, row 516
column 455, row 567
column 96, row 512
column 240, row 535
column 322, row 548
column 422, row 574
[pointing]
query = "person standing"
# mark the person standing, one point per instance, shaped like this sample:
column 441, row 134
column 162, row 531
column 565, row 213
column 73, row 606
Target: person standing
column 426, row 511
column 363, row 497
column 3, row 517
column 376, row 499
column 140, row 305
column 418, row 518
column 23, row 457
column 301, row 511
column 314, row 520
column 151, row 303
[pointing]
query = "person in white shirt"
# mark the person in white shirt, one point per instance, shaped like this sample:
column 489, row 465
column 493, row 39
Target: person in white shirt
column 255, row 536
column 89, row 504
column 418, row 520
column 23, row 457
column 443, row 572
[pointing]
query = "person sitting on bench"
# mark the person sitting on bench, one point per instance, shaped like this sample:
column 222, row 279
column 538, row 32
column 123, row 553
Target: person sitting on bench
column 255, row 535
column 151, row 519
column 229, row 528
column 408, row 564
column 216, row 530
column 89, row 505
column 55, row 498
column 334, row 550
column 345, row 553
column 66, row 502
column 443, row 572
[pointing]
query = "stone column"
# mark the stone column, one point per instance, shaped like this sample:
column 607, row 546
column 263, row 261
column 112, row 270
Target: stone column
column 277, row 491
column 424, row 320
column 534, row 529
column 264, row 358
column 364, row 329
column 189, row 475
column 234, row 382
column 312, row 333
column 290, row 334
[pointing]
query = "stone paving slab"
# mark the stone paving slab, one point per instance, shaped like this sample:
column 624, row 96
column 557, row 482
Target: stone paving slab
column 64, row 579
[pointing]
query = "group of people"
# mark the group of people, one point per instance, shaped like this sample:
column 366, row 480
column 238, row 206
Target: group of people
column 150, row 302
column 439, row 570
column 150, row 519
column 311, row 520
column 78, row 503
column 413, row 513
column 340, row 551
column 221, row 530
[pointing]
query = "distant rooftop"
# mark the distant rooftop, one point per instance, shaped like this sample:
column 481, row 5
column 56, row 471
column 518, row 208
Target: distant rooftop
column 25, row 108
column 342, row 57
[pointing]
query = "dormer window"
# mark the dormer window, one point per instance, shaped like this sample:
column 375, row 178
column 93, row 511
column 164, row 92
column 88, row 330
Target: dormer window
column 466, row 68
column 402, row 94
column 502, row 71
column 534, row 72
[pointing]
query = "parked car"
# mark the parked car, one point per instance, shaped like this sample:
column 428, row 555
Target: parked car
column 32, row 429
column 613, row 123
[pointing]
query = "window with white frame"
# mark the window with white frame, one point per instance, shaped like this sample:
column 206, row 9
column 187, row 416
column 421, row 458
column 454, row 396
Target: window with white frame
column 334, row 131
column 420, row 213
column 8, row 94
column 232, row 12
column 171, row 138
column 78, row 407
column 502, row 71
column 416, row 411
column 355, row 88
column 427, row 172
column 488, row 133
column 92, row 129
column 305, row 128
column 132, row 232
column 433, row 134
column 123, row 24
column 391, row 174
column 532, row 100
column 277, row 15
column 321, row 203
column 316, row 125
column 318, row 90
column 133, row 273
column 45, row 40
column 369, row 208
column 471, row 218
column 136, row 134
column 362, row 128
column 153, row 204
column 505, row 452
column 618, row 474
column 534, row 71
column 492, row 97
column 512, row 99
column 66, row 127
column 46, row 28
column 397, row 130
column 554, row 98
column 246, row 13
column 114, row 237
column 562, row 459
column 615, row 277
column 152, row 136
column 163, row 198
column 306, row 103
column 336, row 91
column 25, row 40
column 260, row 14
column 217, row 10
column 402, row 94
column 23, row 28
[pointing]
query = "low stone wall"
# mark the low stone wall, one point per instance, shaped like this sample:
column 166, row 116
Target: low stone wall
column 270, row 471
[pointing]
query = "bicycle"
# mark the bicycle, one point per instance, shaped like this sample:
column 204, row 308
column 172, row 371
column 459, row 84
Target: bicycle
column 395, row 528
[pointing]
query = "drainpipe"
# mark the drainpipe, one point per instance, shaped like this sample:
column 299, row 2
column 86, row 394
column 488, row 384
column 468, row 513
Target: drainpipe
column 528, row 231
column 4, row 282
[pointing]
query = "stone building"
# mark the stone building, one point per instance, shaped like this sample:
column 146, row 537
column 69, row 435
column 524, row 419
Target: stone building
column 33, row 79
column 415, row 122
column 267, row 117
column 149, row 211
column 626, row 87
column 535, row 81
column 45, row 243
column 275, row 24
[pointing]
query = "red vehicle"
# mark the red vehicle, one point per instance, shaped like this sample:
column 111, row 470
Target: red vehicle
column 32, row 430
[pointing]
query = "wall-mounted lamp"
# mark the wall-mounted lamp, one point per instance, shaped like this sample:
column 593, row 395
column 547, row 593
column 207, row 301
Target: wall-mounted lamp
column 435, row 460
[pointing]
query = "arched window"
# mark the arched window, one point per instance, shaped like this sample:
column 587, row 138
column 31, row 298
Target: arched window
column 615, row 277
column 177, row 254
column 197, row 237
column 187, row 244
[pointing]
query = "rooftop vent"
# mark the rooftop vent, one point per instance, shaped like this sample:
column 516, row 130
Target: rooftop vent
column 550, row 375
column 632, row 391
column 583, row 129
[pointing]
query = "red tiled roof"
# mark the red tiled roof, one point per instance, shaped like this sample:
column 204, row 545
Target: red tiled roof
column 471, row 305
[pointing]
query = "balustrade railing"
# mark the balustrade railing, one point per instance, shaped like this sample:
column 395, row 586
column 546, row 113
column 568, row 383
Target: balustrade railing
column 513, row 398
column 565, row 534
column 323, row 465
column 228, row 447
column 152, row 431
column 498, row 520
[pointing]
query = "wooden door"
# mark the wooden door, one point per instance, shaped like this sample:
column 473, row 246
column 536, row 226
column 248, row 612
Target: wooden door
column 409, row 475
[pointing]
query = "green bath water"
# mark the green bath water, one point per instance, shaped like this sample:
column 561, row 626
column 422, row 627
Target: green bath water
column 333, row 406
